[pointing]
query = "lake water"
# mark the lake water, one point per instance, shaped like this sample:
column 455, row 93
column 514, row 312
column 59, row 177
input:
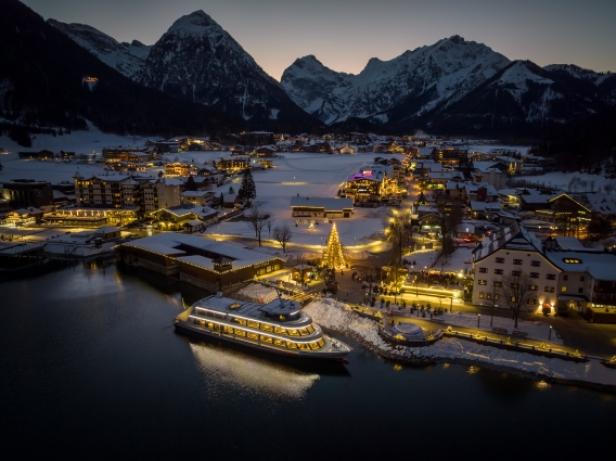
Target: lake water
column 90, row 365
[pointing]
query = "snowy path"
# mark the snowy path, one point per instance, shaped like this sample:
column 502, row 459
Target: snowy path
column 332, row 314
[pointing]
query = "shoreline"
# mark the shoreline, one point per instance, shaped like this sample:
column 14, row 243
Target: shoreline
column 332, row 315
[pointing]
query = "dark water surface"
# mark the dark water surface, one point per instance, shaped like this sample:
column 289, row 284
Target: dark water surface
column 90, row 365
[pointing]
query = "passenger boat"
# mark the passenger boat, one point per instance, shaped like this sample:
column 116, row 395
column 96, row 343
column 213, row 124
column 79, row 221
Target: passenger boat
column 278, row 327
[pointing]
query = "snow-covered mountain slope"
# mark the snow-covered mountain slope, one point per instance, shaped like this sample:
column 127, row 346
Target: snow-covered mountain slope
column 197, row 60
column 419, row 80
column 579, row 72
column 126, row 58
column 523, row 94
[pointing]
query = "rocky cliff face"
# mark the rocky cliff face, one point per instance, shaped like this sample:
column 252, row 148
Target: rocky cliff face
column 197, row 60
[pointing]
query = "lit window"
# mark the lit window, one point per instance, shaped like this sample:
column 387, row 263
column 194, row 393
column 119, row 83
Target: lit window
column 572, row 261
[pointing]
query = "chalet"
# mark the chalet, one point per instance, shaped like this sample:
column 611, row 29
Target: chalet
column 265, row 152
column 198, row 197
column 372, row 184
column 127, row 159
column 183, row 217
column 232, row 165
column 450, row 157
column 321, row 207
column 180, row 169
column 568, row 214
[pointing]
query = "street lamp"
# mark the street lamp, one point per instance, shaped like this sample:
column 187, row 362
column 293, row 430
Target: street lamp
column 478, row 319
column 550, row 333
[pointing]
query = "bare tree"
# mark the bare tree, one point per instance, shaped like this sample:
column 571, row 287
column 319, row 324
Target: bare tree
column 283, row 235
column 516, row 292
column 258, row 220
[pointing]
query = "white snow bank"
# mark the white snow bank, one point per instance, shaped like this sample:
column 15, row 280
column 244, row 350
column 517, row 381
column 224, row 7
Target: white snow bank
column 333, row 315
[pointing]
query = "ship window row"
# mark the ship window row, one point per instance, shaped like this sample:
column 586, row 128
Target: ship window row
column 305, row 331
column 265, row 339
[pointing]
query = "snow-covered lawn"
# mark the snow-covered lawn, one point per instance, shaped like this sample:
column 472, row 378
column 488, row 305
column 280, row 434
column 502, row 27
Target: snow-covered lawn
column 460, row 260
column 421, row 259
column 309, row 175
column 54, row 172
column 80, row 142
column 333, row 315
column 199, row 158
column 572, row 181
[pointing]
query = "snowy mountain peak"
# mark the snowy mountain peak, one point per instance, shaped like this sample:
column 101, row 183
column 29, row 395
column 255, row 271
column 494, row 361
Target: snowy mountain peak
column 421, row 79
column 196, row 23
column 198, row 61
column 128, row 59
column 454, row 39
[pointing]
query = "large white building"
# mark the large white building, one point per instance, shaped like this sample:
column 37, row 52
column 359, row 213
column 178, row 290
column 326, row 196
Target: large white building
column 561, row 273
column 511, row 256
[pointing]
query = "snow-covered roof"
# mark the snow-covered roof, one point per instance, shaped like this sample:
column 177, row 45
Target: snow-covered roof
column 601, row 202
column 599, row 265
column 182, row 245
column 484, row 206
column 183, row 210
column 196, row 193
column 329, row 203
column 536, row 199
column 485, row 165
column 570, row 243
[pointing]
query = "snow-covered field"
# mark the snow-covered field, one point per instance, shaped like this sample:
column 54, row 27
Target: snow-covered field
column 80, row 142
column 313, row 175
column 572, row 181
column 331, row 314
column 489, row 148
column 306, row 174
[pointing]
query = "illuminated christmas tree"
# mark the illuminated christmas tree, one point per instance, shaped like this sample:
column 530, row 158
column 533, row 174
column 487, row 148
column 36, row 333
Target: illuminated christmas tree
column 333, row 256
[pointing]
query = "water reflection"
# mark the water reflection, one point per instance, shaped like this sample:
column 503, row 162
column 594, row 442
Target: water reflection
column 251, row 373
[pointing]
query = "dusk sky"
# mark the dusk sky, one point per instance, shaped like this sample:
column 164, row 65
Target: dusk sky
column 344, row 34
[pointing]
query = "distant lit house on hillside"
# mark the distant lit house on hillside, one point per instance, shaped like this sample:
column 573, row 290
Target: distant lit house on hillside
column 232, row 165
column 127, row 159
column 180, row 169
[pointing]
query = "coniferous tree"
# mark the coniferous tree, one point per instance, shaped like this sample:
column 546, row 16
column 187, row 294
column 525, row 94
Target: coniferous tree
column 247, row 190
